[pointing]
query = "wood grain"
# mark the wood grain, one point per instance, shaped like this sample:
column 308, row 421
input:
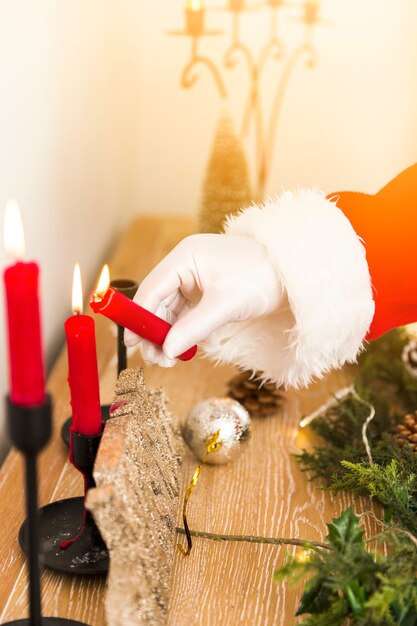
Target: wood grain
column 263, row 493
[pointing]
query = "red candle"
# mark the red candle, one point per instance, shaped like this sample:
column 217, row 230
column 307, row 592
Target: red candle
column 26, row 364
column 120, row 309
column 82, row 366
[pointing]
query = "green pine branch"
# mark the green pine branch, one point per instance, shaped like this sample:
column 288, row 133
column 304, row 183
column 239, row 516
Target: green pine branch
column 341, row 458
column 346, row 584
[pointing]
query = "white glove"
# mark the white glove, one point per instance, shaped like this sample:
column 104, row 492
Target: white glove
column 205, row 282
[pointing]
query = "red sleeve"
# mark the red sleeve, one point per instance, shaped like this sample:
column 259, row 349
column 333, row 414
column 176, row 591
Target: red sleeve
column 387, row 224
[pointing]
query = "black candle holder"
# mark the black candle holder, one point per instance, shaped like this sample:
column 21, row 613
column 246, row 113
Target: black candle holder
column 66, row 426
column 30, row 430
column 69, row 539
column 128, row 288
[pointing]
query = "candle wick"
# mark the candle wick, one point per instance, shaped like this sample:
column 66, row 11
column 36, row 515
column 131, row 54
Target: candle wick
column 97, row 296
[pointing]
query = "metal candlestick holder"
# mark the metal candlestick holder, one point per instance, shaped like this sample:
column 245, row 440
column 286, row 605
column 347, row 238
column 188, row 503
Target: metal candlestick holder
column 256, row 119
column 30, row 430
column 69, row 539
column 128, row 288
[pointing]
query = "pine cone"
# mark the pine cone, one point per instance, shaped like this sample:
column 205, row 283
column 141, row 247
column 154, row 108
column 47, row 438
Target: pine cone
column 407, row 431
column 259, row 400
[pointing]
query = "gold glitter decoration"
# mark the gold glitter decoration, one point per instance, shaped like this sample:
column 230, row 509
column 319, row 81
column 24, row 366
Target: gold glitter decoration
column 135, row 504
column 212, row 445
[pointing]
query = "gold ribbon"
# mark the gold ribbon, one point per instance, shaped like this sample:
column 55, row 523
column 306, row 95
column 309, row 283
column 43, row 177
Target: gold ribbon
column 213, row 444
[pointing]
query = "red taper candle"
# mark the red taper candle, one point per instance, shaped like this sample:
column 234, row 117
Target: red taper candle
column 82, row 366
column 120, row 309
column 26, row 362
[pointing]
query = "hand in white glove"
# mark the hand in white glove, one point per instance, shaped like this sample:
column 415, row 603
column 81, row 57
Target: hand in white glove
column 205, row 282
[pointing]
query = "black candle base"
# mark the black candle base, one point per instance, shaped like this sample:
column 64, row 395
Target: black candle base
column 30, row 430
column 69, row 540
column 66, row 426
column 47, row 621
column 61, row 521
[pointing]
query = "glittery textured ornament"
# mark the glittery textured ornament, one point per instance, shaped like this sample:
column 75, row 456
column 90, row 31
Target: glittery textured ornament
column 223, row 415
column 135, row 503
column 215, row 430
column 226, row 187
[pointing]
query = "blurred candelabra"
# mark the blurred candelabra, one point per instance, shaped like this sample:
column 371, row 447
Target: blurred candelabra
column 265, row 127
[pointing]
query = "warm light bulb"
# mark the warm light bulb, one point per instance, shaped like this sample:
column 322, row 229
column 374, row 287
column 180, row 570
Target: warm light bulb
column 14, row 238
column 195, row 5
column 103, row 282
column 77, row 291
column 304, row 556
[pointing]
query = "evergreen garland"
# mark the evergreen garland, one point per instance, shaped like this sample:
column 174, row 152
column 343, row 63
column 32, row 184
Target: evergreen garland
column 384, row 381
column 348, row 585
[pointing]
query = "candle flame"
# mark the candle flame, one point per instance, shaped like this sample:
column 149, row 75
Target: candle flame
column 103, row 282
column 14, row 238
column 77, row 291
column 195, row 5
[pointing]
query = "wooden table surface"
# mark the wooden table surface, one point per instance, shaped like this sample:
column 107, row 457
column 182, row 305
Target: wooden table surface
column 261, row 493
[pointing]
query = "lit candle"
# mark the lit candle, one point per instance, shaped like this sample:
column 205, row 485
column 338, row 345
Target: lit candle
column 26, row 364
column 194, row 5
column 82, row 366
column 194, row 17
column 120, row 309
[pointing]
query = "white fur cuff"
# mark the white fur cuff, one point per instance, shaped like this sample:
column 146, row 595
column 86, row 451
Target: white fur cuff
column 322, row 264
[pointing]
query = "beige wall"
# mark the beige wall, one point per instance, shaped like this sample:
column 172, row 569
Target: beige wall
column 65, row 141
column 349, row 123
column 94, row 125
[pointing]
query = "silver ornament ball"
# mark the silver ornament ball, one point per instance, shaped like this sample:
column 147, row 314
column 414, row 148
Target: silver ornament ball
column 207, row 417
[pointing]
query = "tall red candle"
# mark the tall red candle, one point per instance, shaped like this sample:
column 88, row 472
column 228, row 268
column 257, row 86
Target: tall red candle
column 26, row 363
column 82, row 367
column 123, row 311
